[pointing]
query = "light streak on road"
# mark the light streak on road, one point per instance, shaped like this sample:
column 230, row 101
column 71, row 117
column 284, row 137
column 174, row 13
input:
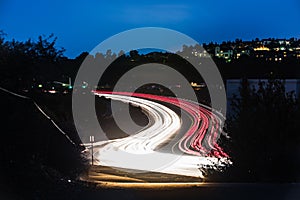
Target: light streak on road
column 198, row 145
column 165, row 124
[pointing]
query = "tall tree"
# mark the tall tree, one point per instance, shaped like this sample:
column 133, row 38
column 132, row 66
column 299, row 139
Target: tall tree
column 264, row 131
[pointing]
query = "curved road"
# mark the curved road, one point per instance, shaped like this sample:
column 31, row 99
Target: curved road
column 139, row 151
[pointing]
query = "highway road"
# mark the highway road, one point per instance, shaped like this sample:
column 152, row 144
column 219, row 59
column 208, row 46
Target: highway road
column 195, row 149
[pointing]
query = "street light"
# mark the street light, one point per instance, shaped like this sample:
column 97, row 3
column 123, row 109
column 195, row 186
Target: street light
column 92, row 140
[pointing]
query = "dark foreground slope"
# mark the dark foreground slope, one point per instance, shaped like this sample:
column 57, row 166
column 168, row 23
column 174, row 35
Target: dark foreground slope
column 33, row 152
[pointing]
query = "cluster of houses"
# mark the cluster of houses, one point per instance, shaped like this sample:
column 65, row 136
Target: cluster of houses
column 266, row 49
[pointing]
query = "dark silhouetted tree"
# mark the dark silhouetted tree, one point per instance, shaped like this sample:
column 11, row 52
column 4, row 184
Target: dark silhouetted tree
column 264, row 128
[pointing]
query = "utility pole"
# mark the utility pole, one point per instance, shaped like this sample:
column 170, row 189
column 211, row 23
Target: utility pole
column 92, row 140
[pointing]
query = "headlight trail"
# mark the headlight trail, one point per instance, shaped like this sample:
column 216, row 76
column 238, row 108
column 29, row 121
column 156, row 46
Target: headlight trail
column 165, row 124
column 199, row 143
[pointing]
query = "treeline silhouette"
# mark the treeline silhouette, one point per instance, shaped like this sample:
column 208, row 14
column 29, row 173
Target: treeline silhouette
column 264, row 142
column 24, row 65
column 34, row 155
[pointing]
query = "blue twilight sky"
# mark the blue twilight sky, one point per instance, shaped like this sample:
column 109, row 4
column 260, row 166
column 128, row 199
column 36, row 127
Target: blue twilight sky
column 81, row 25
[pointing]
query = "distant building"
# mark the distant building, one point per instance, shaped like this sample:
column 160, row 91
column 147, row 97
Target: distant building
column 261, row 48
column 225, row 53
column 239, row 51
column 200, row 54
column 283, row 41
column 266, row 41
